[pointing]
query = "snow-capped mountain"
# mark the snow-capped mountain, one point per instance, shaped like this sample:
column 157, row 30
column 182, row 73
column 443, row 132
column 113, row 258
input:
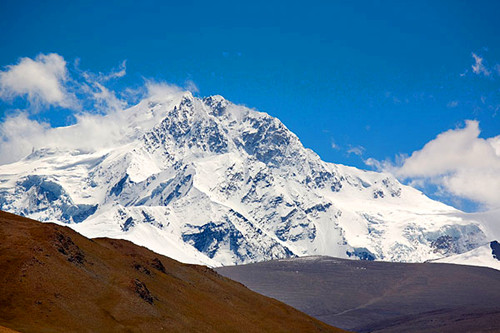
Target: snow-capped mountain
column 208, row 181
column 487, row 255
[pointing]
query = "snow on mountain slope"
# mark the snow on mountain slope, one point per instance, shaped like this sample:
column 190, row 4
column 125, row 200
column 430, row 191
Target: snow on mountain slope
column 207, row 181
column 490, row 220
column 487, row 255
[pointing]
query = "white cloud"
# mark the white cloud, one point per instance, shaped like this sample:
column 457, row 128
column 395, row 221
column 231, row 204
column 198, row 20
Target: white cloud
column 191, row 86
column 106, row 99
column 459, row 162
column 100, row 98
column 161, row 90
column 19, row 134
column 17, row 137
column 357, row 150
column 120, row 72
column 45, row 81
column 93, row 91
column 334, row 145
column 103, row 117
column 102, row 77
column 478, row 67
column 378, row 165
column 387, row 165
column 41, row 81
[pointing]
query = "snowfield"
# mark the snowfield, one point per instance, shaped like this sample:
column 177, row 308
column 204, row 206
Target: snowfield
column 210, row 182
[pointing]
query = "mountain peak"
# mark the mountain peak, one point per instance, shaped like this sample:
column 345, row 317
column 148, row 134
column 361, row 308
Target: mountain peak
column 206, row 181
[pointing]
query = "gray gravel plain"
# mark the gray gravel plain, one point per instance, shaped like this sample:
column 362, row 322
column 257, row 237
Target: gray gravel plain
column 368, row 296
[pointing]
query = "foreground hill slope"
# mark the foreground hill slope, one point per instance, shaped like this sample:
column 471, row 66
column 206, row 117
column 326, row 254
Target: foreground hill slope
column 55, row 280
column 367, row 296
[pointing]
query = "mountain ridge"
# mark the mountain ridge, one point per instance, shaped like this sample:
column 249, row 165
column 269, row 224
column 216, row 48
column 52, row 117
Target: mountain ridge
column 207, row 181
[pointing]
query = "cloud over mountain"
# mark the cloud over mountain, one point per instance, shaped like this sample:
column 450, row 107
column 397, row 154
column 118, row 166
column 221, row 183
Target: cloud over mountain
column 40, row 80
column 458, row 161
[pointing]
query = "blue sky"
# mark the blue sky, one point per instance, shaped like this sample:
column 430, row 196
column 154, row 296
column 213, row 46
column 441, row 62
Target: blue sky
column 356, row 81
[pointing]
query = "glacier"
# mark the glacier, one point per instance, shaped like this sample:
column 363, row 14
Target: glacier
column 203, row 180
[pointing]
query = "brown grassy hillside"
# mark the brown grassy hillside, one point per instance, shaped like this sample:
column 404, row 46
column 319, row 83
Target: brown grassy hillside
column 52, row 279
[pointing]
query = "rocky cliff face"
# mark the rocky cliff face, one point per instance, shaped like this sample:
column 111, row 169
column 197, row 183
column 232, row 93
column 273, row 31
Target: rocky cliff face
column 207, row 181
